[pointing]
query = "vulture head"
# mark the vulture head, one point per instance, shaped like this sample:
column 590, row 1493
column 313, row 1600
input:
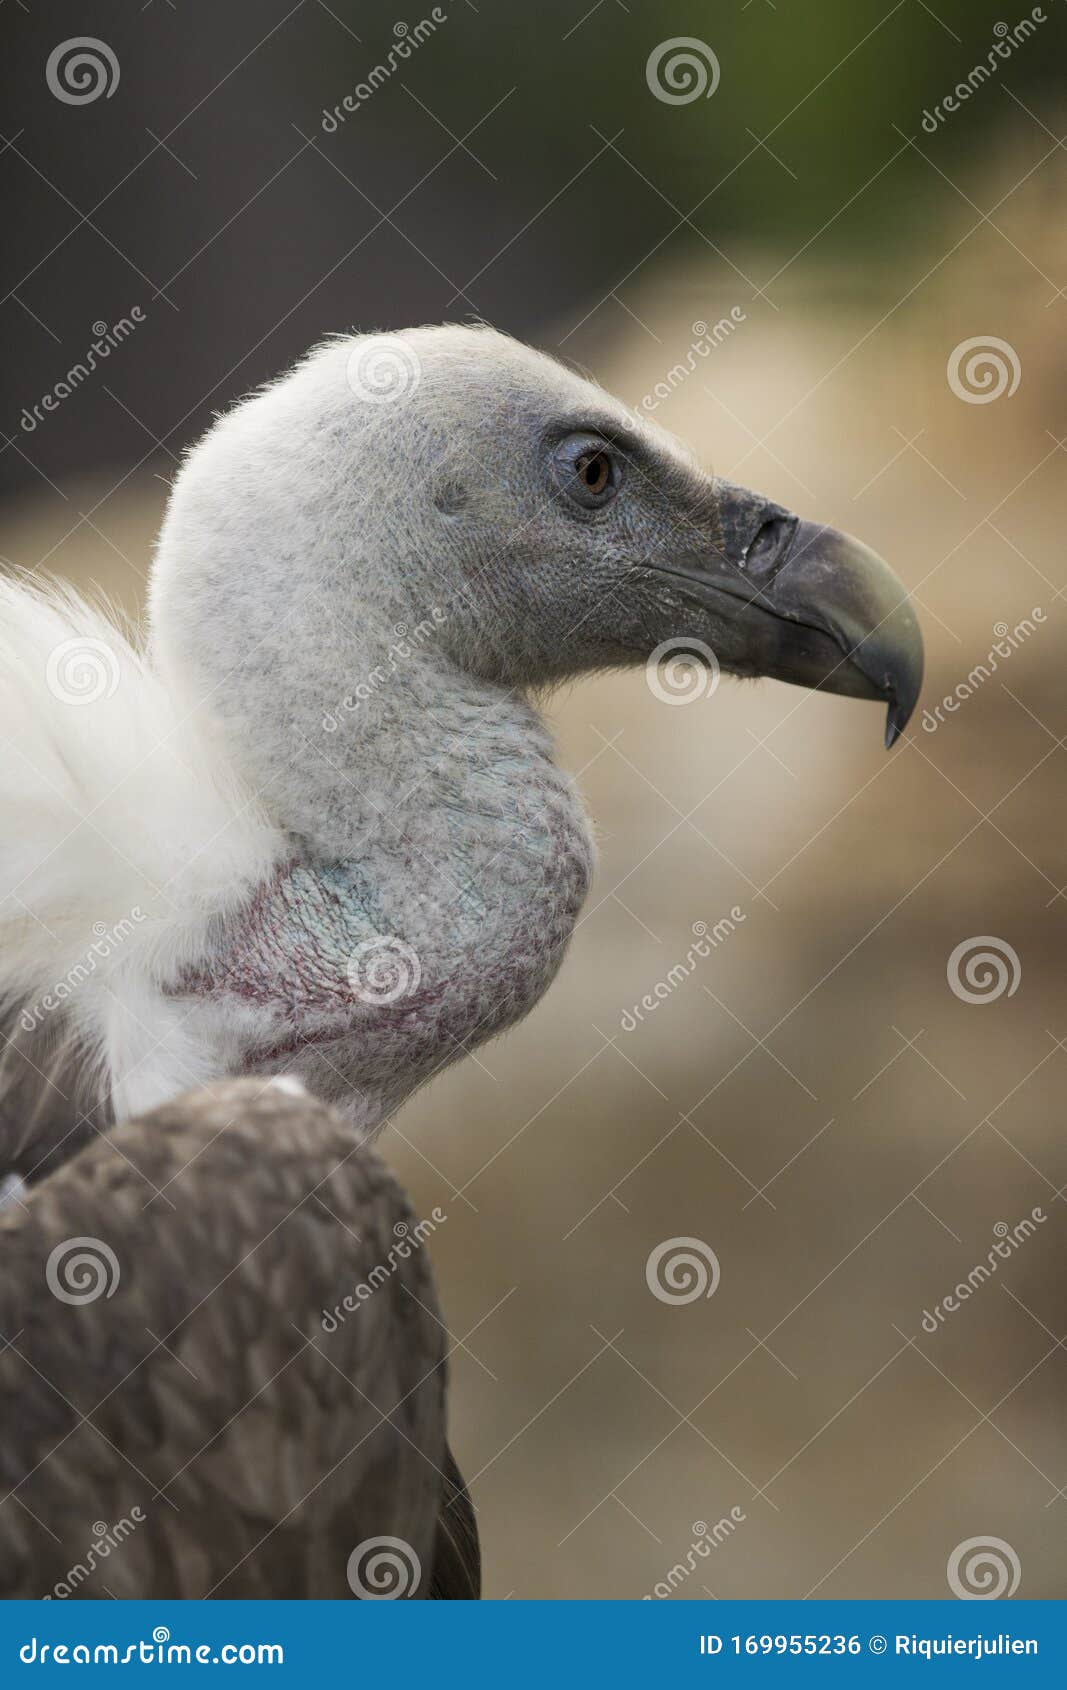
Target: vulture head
column 507, row 519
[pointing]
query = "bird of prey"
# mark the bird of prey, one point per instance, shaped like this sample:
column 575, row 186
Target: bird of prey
column 225, row 1370
column 314, row 824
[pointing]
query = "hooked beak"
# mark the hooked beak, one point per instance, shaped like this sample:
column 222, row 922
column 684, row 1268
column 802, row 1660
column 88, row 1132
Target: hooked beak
column 808, row 604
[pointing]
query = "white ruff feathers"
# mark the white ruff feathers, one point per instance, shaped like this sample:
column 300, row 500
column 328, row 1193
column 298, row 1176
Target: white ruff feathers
column 124, row 832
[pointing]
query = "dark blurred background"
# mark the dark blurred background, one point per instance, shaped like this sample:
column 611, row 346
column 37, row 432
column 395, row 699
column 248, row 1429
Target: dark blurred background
column 518, row 167
column 515, row 167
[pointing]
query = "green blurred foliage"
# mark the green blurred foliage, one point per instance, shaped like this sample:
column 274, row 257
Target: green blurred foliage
column 828, row 85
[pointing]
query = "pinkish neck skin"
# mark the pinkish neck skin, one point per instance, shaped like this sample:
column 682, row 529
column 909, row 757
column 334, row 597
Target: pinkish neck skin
column 365, row 976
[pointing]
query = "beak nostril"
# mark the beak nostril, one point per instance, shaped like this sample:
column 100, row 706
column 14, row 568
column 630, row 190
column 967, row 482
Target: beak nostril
column 768, row 545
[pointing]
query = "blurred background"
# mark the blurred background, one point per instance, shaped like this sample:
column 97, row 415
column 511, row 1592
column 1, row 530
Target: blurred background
column 815, row 1103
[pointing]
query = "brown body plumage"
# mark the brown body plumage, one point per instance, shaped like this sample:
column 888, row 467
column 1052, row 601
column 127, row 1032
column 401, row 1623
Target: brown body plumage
column 180, row 1420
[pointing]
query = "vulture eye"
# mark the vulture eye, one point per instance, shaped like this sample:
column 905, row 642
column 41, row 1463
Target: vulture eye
column 595, row 470
column 587, row 471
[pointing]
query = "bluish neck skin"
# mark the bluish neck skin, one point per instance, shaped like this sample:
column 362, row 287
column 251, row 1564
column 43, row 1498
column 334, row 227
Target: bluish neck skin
column 366, row 973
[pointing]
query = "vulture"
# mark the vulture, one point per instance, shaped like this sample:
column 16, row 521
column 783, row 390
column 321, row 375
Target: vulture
column 307, row 827
column 234, row 1387
column 313, row 824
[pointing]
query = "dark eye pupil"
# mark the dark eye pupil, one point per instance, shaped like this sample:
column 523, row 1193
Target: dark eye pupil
column 595, row 471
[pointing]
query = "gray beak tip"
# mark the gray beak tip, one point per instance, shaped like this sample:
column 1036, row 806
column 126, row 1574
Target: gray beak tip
column 842, row 586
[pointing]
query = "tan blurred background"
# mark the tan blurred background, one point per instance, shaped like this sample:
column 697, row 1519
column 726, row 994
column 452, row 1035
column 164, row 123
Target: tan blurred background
column 814, row 1103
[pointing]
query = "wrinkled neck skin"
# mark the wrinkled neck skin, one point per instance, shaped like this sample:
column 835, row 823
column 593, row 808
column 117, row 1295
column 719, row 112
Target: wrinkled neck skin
column 436, row 862
column 353, row 733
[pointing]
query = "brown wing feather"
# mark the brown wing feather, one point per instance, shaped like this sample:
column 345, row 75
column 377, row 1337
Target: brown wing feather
column 457, row 1567
column 201, row 1411
column 51, row 1096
